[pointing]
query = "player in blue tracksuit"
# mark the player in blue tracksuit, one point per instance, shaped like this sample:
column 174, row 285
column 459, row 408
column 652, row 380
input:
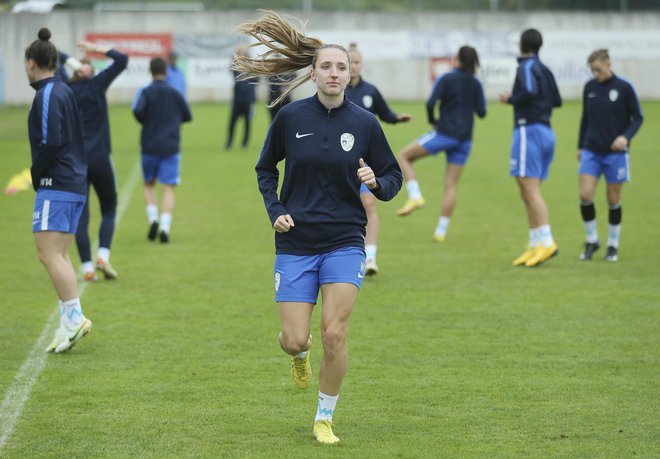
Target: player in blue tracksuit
column 241, row 105
column 367, row 96
column 175, row 76
column 59, row 176
column 90, row 90
column 318, row 218
column 160, row 109
column 534, row 95
column 460, row 95
column 611, row 116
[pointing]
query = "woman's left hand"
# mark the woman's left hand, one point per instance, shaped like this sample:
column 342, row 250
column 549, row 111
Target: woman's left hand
column 366, row 176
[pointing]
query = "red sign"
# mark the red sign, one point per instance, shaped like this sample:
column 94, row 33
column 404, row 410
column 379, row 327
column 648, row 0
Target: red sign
column 134, row 44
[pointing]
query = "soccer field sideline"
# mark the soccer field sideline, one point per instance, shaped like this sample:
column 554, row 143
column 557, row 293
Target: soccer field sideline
column 500, row 369
column 19, row 391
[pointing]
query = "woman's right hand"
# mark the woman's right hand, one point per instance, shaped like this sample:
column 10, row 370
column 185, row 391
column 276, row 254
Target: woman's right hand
column 283, row 223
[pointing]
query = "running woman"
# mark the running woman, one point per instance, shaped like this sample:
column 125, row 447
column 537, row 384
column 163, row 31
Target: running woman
column 459, row 95
column 367, row 96
column 59, row 176
column 90, row 90
column 318, row 218
column 535, row 94
column 611, row 116
column 161, row 109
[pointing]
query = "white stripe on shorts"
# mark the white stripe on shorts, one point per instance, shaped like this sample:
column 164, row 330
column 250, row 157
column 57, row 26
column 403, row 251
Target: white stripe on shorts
column 44, row 215
column 627, row 167
column 523, row 150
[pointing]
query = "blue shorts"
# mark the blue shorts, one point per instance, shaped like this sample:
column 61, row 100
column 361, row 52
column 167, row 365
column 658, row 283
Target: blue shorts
column 164, row 168
column 532, row 151
column 57, row 211
column 457, row 150
column 299, row 277
column 614, row 166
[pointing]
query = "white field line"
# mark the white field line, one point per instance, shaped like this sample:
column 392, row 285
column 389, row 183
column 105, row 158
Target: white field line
column 19, row 391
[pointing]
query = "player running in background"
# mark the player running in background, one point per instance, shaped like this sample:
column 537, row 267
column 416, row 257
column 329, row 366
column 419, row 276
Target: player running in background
column 459, row 95
column 59, row 176
column 318, row 218
column 535, row 94
column 367, row 96
column 90, row 90
column 611, row 116
column 160, row 109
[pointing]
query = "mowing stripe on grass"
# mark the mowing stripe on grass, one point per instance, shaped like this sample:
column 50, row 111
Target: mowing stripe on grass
column 19, row 391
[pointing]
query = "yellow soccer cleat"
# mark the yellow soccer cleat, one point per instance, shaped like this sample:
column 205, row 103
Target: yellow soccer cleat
column 323, row 433
column 66, row 338
column 527, row 254
column 439, row 238
column 541, row 255
column 410, row 206
column 106, row 268
column 301, row 371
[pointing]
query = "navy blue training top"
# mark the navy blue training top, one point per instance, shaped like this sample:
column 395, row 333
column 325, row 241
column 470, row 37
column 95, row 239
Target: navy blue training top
column 459, row 95
column 534, row 94
column 367, row 96
column 160, row 109
column 91, row 96
column 56, row 133
column 321, row 189
column 609, row 109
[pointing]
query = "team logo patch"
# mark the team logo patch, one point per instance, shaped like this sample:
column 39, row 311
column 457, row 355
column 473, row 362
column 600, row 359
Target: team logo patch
column 277, row 281
column 621, row 173
column 367, row 101
column 347, row 140
column 614, row 95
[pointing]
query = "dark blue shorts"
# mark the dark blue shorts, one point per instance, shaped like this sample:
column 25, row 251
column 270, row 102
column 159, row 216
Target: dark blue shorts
column 299, row 277
column 57, row 211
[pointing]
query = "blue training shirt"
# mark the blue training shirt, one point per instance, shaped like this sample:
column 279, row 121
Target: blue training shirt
column 321, row 190
column 91, row 96
column 160, row 109
column 176, row 79
column 56, row 134
column 534, row 94
column 367, row 96
column 609, row 109
column 460, row 95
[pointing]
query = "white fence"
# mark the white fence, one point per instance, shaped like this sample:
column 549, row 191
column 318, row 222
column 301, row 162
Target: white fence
column 401, row 52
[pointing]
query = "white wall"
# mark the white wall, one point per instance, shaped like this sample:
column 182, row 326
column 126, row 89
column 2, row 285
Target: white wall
column 397, row 48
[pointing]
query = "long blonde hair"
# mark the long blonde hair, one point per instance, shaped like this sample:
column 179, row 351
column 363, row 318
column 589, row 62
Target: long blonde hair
column 288, row 51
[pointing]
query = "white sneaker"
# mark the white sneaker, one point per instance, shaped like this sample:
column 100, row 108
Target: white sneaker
column 371, row 267
column 66, row 338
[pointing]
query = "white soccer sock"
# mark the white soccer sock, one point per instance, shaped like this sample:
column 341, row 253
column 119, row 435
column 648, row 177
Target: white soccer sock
column 413, row 189
column 443, row 225
column 165, row 222
column 88, row 267
column 70, row 313
column 534, row 237
column 152, row 213
column 103, row 254
column 591, row 230
column 546, row 235
column 370, row 250
column 326, row 407
column 613, row 232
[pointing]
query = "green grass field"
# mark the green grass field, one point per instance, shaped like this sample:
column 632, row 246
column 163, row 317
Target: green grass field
column 453, row 352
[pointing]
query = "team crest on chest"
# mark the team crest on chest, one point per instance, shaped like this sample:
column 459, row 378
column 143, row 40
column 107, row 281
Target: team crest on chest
column 347, row 140
column 614, row 95
column 367, row 101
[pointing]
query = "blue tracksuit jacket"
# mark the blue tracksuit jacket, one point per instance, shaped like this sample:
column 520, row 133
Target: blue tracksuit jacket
column 534, row 94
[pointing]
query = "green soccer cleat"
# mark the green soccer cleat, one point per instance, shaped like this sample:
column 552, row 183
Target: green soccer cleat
column 323, row 433
column 106, row 268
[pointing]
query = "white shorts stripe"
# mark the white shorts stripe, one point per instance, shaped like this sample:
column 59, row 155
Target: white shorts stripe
column 44, row 215
column 627, row 167
column 523, row 150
